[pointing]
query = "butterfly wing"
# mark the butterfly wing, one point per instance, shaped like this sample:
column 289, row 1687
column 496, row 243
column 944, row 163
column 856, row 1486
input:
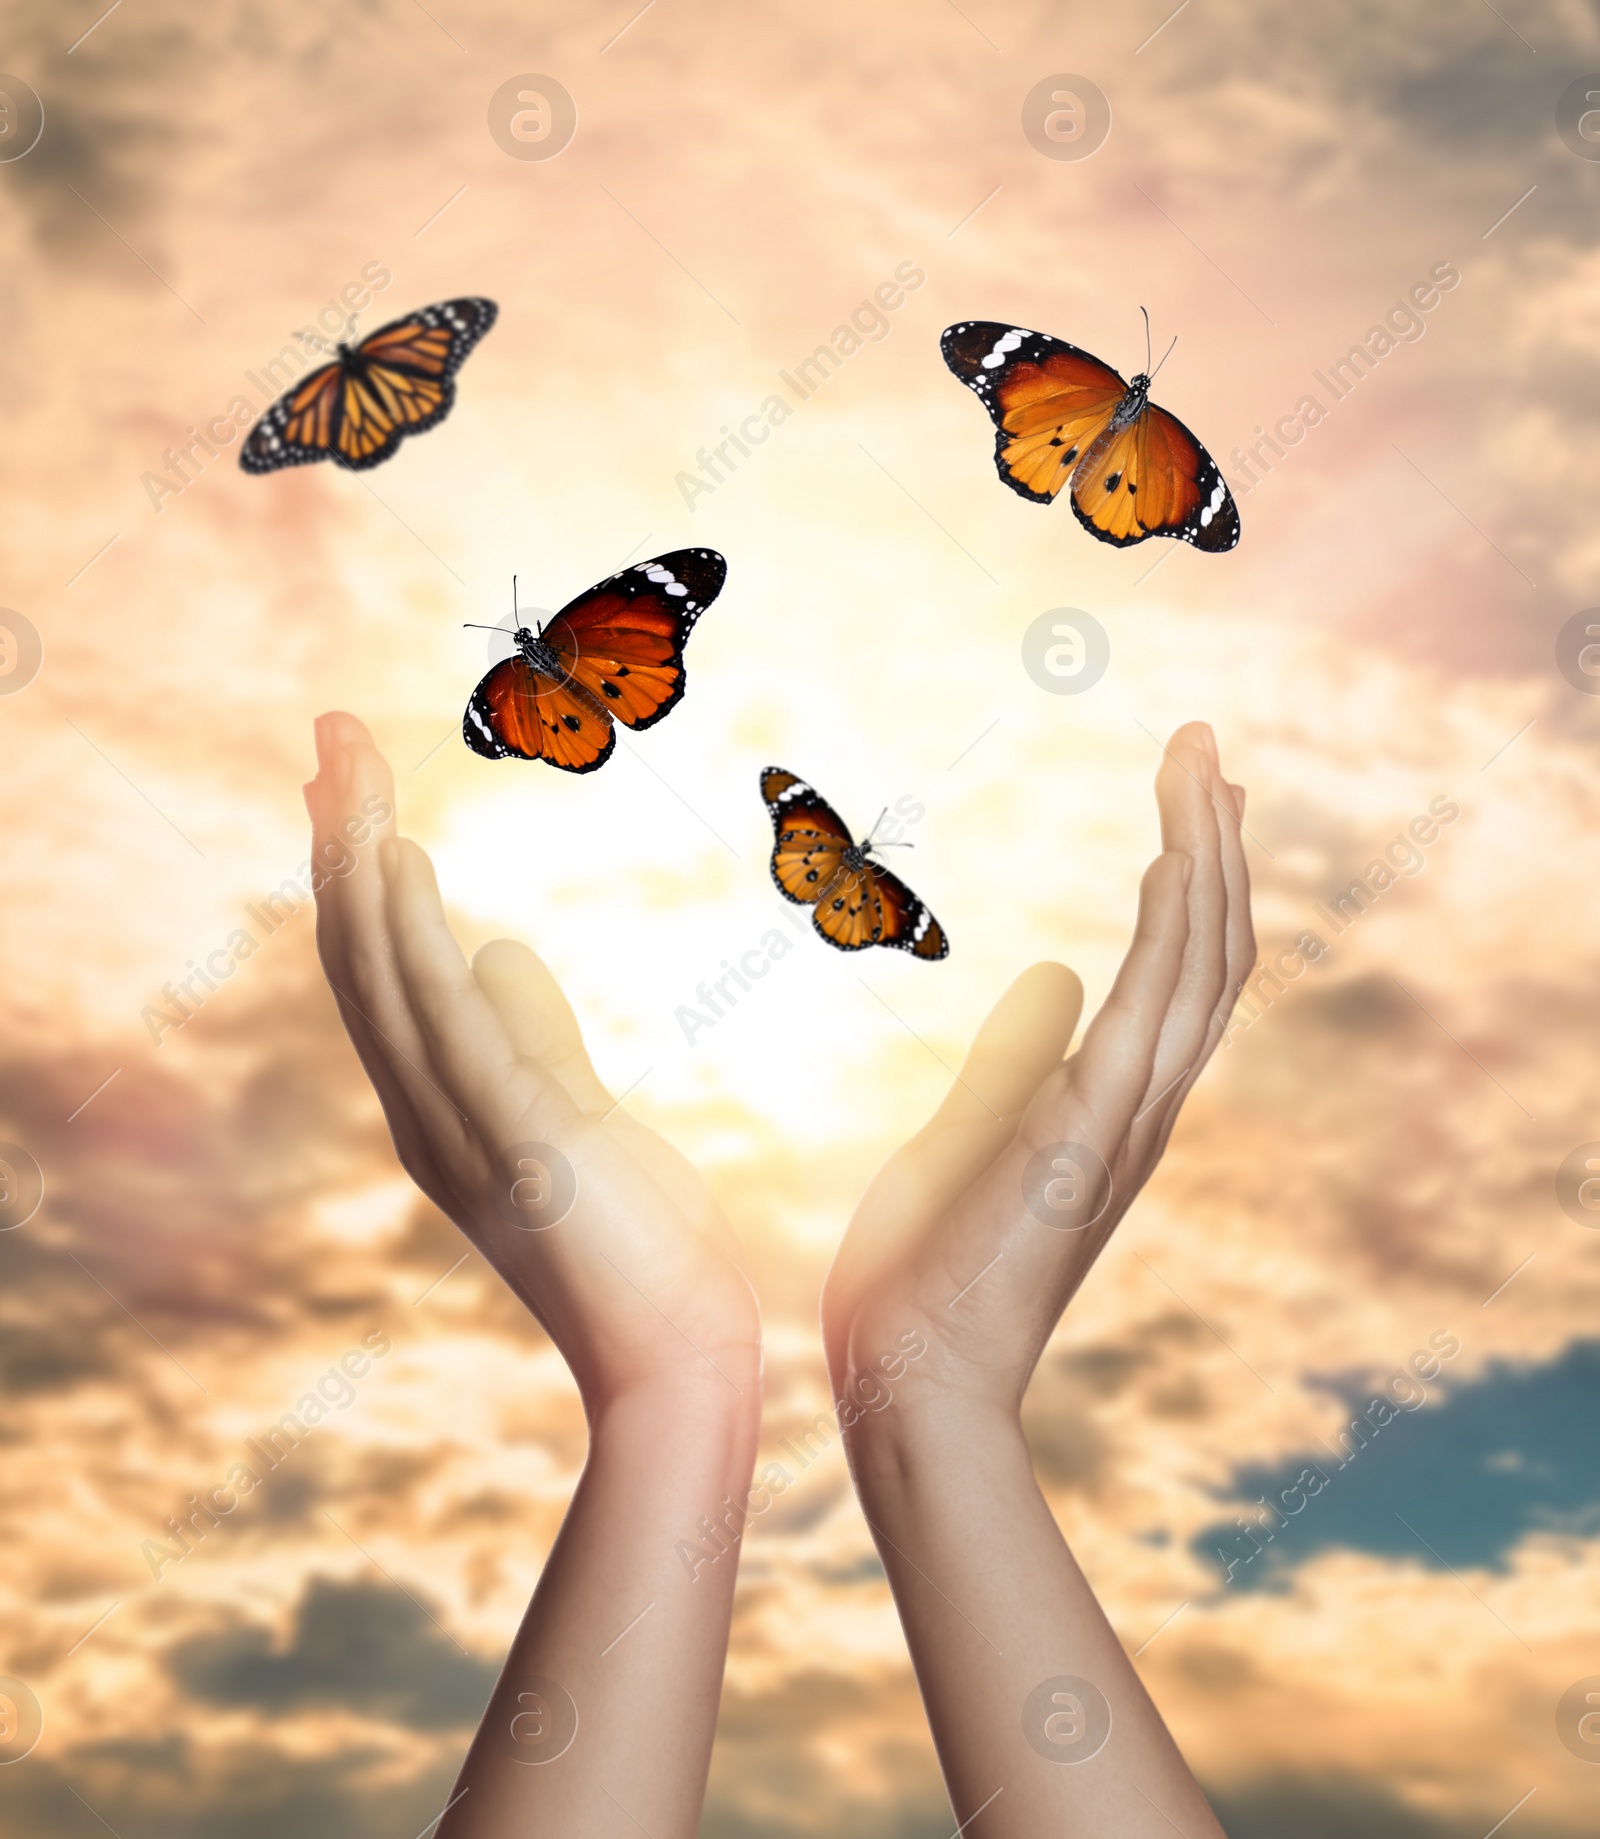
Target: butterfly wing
column 908, row 925
column 1049, row 400
column 356, row 412
column 518, row 712
column 809, row 836
column 623, row 640
column 299, row 427
column 1153, row 478
column 851, row 907
column 869, row 906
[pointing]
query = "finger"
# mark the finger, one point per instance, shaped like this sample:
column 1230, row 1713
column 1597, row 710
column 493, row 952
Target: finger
column 1110, row 1073
column 1190, row 792
column 1241, row 946
column 1237, row 950
column 1018, row 1046
column 502, row 1094
column 538, row 1019
column 352, row 941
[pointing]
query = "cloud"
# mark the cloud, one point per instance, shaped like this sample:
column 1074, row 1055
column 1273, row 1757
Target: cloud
column 363, row 1647
column 1474, row 1471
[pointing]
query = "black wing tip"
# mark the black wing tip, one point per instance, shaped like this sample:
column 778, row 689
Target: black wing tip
column 1222, row 533
column 963, row 345
column 711, row 562
column 794, row 779
column 909, row 947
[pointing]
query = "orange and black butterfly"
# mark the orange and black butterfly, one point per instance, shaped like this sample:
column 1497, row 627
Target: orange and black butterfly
column 855, row 902
column 357, row 410
column 1064, row 417
column 615, row 651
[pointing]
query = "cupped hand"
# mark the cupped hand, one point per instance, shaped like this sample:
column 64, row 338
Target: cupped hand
column 976, row 1234
column 497, row 1114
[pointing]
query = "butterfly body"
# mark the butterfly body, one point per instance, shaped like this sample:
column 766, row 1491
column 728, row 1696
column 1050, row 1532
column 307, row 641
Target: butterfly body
column 357, row 409
column 615, row 654
column 1066, row 421
column 855, row 900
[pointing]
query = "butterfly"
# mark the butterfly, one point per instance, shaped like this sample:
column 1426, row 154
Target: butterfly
column 855, row 902
column 1064, row 417
column 357, row 410
column 615, row 651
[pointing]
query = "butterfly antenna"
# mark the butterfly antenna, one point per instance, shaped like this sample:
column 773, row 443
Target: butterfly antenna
column 469, row 625
column 1147, row 370
column 1164, row 356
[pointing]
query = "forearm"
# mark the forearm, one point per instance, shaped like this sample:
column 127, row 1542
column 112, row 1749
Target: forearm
column 621, row 1635
column 1002, row 1628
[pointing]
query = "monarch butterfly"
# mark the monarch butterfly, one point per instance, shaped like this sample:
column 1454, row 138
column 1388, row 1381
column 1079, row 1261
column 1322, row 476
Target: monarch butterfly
column 855, row 902
column 1064, row 417
column 357, row 410
column 617, row 650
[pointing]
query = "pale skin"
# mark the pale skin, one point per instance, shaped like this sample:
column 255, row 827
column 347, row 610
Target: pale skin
column 945, row 1243
column 640, row 1287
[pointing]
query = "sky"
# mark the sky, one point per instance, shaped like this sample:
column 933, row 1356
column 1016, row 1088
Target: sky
column 1370, row 1173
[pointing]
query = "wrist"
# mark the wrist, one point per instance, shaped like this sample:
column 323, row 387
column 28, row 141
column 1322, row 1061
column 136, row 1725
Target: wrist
column 931, row 1435
column 676, row 1410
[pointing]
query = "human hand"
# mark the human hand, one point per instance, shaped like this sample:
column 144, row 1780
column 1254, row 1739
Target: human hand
column 639, row 1284
column 977, row 1233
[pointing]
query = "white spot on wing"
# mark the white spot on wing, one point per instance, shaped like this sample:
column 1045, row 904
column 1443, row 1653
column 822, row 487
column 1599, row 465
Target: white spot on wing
column 1003, row 347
